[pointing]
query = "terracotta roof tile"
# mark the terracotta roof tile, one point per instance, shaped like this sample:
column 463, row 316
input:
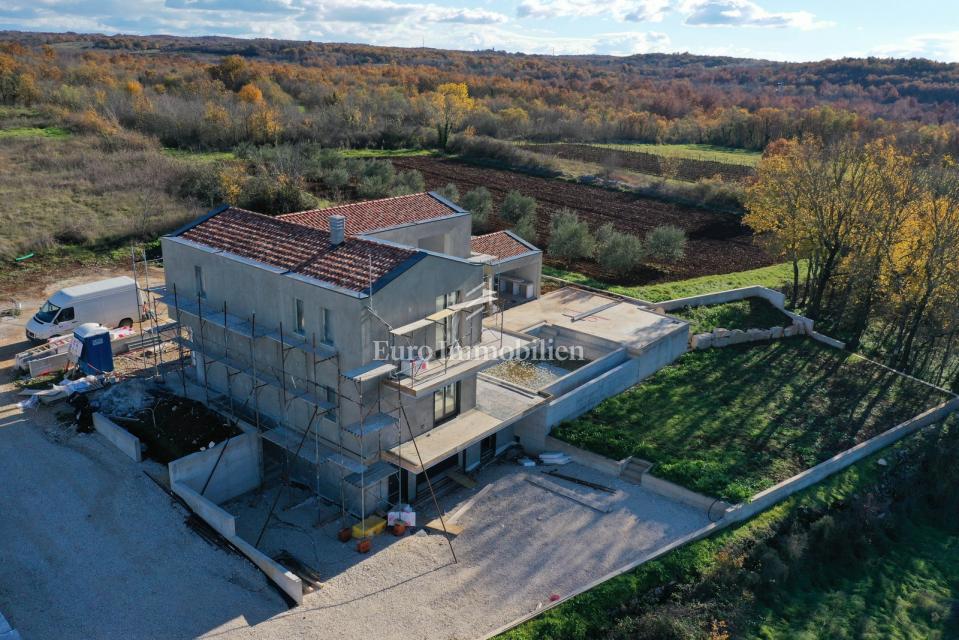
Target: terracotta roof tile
column 364, row 217
column 500, row 244
column 299, row 249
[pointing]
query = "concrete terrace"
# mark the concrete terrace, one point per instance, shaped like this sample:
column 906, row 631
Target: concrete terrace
column 612, row 320
column 497, row 406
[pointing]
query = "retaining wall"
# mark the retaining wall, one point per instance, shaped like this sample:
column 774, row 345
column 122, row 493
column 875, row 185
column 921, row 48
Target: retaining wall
column 585, row 458
column 681, row 494
column 765, row 499
column 119, row 437
column 225, row 525
column 775, row 298
column 240, row 468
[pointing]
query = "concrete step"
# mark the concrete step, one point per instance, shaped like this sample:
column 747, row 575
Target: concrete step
column 634, row 471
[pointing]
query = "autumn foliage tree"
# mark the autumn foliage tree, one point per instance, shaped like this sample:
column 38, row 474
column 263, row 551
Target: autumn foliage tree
column 451, row 104
column 878, row 231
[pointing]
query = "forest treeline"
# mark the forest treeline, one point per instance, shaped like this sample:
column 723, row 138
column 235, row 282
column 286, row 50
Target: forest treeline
column 363, row 96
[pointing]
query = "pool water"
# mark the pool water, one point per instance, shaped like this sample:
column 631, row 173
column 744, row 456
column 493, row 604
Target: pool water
column 533, row 374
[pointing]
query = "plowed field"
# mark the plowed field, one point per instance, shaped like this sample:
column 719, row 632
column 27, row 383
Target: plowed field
column 718, row 243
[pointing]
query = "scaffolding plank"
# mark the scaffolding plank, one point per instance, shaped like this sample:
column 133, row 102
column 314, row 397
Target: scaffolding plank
column 290, row 440
column 372, row 371
column 472, row 304
column 407, row 329
column 347, row 463
column 440, row 315
column 377, row 472
column 372, row 424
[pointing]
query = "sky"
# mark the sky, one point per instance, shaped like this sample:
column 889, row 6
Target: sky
column 793, row 30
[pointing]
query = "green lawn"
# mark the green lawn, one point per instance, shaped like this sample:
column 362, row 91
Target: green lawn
column 384, row 153
column 34, row 132
column 731, row 422
column 772, row 277
column 708, row 152
column 855, row 556
column 751, row 313
column 200, row 156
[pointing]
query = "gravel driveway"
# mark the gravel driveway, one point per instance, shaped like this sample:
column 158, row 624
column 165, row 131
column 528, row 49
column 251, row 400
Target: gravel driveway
column 91, row 548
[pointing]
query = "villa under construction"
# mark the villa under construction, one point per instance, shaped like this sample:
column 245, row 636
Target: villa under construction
column 294, row 322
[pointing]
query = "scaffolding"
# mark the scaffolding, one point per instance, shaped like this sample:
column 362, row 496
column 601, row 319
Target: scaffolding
column 236, row 354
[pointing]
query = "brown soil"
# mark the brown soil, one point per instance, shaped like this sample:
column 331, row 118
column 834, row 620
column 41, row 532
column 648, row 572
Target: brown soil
column 174, row 427
column 718, row 243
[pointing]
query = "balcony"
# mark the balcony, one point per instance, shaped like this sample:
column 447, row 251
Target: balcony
column 425, row 377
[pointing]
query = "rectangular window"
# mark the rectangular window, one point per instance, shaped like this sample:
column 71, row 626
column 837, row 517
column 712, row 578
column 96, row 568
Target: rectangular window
column 198, row 275
column 446, row 403
column 327, row 327
column 299, row 319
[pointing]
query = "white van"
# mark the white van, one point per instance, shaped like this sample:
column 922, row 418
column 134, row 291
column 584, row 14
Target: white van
column 114, row 302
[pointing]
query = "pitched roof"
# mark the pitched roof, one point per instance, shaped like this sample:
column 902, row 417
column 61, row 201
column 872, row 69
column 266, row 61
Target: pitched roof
column 500, row 245
column 372, row 215
column 353, row 264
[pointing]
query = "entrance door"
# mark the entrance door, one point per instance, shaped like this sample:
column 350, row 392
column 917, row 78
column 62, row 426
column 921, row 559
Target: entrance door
column 487, row 448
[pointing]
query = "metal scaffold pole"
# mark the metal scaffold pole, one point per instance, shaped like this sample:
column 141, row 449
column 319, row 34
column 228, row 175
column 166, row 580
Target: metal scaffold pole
column 179, row 335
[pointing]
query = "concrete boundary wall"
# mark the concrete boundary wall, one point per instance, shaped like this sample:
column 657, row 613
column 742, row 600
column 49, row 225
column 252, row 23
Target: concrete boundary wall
column 832, row 342
column 775, row 298
column 119, row 437
column 765, row 499
column 225, row 524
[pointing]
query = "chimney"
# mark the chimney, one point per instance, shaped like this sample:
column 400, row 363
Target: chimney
column 337, row 229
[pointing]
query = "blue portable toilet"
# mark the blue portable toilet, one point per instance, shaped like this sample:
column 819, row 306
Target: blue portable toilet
column 91, row 347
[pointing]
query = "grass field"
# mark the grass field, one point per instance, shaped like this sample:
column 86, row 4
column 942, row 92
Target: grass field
column 34, row 132
column 825, row 563
column 751, row 313
column 200, row 156
column 384, row 153
column 731, row 422
column 773, row 277
column 708, row 152
column 77, row 191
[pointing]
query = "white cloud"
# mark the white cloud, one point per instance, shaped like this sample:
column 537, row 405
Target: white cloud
column 468, row 16
column 936, row 46
column 744, row 13
column 620, row 10
column 618, row 43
